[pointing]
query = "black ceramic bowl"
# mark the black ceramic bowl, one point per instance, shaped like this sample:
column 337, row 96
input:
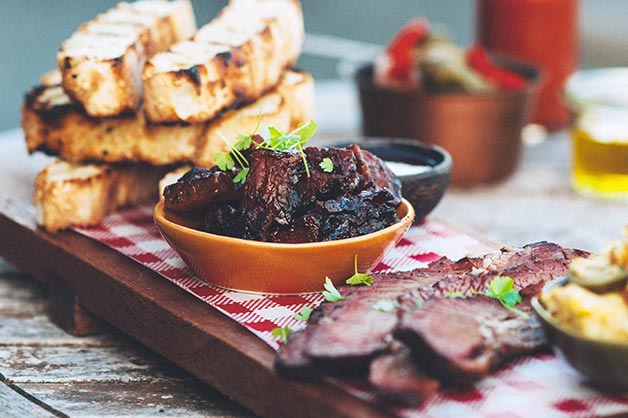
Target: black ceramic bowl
column 603, row 363
column 425, row 189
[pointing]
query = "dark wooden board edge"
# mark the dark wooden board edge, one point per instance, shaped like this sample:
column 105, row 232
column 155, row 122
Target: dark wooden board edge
column 169, row 320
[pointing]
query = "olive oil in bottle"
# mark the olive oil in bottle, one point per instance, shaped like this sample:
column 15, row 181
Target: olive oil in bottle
column 600, row 161
column 599, row 100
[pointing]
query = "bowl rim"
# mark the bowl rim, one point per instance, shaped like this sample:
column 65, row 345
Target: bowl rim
column 547, row 317
column 442, row 168
column 159, row 218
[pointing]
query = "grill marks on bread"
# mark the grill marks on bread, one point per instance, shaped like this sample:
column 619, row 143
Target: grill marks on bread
column 101, row 63
column 232, row 60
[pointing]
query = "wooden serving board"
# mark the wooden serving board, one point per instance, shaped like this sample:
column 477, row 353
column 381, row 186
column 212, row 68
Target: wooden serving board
column 150, row 309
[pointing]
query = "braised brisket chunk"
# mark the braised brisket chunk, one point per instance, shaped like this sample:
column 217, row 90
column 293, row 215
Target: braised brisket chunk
column 375, row 174
column 343, row 180
column 281, row 201
column 223, row 219
column 200, row 187
column 270, row 198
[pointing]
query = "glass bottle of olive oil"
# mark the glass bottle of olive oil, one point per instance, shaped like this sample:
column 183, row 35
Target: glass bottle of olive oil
column 600, row 133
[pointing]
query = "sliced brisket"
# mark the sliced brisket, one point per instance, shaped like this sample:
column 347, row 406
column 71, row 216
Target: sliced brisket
column 352, row 332
column 460, row 340
column 398, row 378
column 349, row 333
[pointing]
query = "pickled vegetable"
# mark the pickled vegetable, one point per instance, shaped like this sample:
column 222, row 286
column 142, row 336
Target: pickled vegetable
column 596, row 274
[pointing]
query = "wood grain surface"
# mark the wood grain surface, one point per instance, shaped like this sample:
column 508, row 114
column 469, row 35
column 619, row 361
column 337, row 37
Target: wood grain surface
column 150, row 309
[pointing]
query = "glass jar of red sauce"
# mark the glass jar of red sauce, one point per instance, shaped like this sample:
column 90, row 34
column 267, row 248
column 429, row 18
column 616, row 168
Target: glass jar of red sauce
column 542, row 32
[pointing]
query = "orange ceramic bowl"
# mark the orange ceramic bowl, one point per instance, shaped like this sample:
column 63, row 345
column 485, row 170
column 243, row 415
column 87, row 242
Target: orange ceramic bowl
column 267, row 267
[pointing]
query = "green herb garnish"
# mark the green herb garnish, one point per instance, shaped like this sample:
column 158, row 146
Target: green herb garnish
column 501, row 288
column 386, row 305
column 359, row 278
column 304, row 314
column 282, row 332
column 227, row 160
column 272, row 140
column 331, row 293
column 327, row 165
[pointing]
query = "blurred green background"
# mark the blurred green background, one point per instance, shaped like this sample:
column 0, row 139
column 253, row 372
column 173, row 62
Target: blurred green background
column 32, row 30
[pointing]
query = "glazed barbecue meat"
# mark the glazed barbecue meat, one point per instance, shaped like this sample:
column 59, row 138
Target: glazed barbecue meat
column 376, row 174
column 200, row 187
column 279, row 202
column 270, row 198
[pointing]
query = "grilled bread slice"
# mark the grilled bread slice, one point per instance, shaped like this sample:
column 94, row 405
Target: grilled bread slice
column 101, row 63
column 53, row 124
column 234, row 59
column 68, row 194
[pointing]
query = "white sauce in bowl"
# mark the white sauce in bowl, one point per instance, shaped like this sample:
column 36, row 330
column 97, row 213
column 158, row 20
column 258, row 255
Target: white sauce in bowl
column 405, row 169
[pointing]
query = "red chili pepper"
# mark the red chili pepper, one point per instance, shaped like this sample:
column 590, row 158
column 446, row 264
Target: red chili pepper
column 479, row 60
column 400, row 48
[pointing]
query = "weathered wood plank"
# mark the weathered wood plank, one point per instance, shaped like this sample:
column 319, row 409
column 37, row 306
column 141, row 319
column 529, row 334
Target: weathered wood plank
column 24, row 325
column 61, row 364
column 187, row 398
column 15, row 405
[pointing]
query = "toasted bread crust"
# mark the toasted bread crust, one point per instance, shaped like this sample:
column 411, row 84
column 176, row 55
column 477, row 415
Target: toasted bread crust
column 234, row 59
column 101, row 62
column 68, row 194
column 54, row 125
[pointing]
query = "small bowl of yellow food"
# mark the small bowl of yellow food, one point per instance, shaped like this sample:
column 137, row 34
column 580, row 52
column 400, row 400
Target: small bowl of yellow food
column 585, row 317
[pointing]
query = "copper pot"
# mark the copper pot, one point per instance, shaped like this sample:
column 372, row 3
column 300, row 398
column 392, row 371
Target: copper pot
column 482, row 132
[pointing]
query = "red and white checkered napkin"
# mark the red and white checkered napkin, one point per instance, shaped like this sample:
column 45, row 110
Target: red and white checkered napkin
column 133, row 233
column 541, row 386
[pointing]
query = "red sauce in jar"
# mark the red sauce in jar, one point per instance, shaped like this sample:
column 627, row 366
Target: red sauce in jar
column 542, row 32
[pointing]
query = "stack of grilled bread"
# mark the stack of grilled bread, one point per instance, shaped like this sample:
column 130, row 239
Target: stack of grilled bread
column 139, row 92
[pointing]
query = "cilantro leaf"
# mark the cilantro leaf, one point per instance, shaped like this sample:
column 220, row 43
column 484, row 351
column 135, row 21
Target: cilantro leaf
column 242, row 142
column 331, row 293
column 327, row 165
column 511, row 298
column 304, row 314
column 224, row 161
column 501, row 288
column 273, row 140
column 282, row 333
column 386, row 305
column 359, row 278
column 305, row 130
column 241, row 176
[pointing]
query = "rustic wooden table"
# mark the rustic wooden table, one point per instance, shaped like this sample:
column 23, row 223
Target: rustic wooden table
column 45, row 372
